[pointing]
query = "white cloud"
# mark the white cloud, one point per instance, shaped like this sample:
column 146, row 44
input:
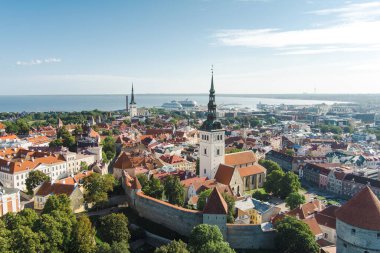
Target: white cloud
column 357, row 30
column 362, row 11
column 39, row 61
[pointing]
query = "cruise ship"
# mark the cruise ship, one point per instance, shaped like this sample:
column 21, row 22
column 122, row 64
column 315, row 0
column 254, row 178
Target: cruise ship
column 173, row 105
column 188, row 103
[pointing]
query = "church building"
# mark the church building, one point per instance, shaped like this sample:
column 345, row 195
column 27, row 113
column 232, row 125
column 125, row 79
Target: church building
column 240, row 171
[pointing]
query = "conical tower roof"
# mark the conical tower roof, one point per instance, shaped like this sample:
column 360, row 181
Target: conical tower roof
column 216, row 203
column 362, row 211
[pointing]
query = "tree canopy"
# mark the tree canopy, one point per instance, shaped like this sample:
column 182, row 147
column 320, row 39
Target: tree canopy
column 173, row 247
column 83, row 236
column 269, row 165
column 294, row 199
column 153, row 188
column 114, row 228
column 174, row 190
column 294, row 236
column 35, row 178
column 97, row 187
column 206, row 238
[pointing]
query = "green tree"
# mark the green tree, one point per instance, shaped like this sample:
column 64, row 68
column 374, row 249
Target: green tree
column 231, row 207
column 294, row 199
column 60, row 202
column 5, row 243
column 260, row 194
column 120, row 247
column 83, row 236
column 289, row 152
column 56, row 143
column 202, row 199
column 273, row 180
column 97, row 187
column 173, row 247
column 269, row 165
column 174, row 190
column 289, row 183
column 234, row 150
column 206, row 238
column 109, row 147
column 35, row 178
column 83, row 166
column 114, row 228
column 23, row 239
column 67, row 139
column 103, row 247
column 50, row 233
column 27, row 217
column 154, row 188
column 294, row 236
column 143, row 179
column 197, row 166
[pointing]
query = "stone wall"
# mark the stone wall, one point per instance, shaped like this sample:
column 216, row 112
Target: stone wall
column 249, row 237
column 173, row 217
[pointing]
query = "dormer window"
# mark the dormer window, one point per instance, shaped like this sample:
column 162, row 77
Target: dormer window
column 353, row 231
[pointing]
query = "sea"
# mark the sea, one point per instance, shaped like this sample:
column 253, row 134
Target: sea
column 71, row 103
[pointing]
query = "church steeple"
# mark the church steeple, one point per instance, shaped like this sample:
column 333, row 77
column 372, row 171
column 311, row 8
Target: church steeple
column 211, row 101
column 211, row 123
column 132, row 97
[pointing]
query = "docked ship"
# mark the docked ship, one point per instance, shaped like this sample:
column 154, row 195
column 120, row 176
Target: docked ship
column 188, row 103
column 173, row 105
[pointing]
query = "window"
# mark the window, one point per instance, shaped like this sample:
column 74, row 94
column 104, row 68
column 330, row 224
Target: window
column 378, row 235
column 218, row 152
column 205, row 151
column 204, row 171
column 353, row 231
column 345, row 245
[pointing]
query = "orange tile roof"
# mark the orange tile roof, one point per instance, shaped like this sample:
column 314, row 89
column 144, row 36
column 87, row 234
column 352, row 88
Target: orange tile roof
column 243, row 157
column 313, row 225
column 8, row 137
column 2, row 126
column 251, row 170
column 187, row 182
column 305, row 210
column 37, row 140
column 224, row 174
column 48, row 188
column 362, row 211
column 216, row 204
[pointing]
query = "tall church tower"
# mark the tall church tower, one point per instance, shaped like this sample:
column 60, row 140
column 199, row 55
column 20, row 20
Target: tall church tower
column 132, row 105
column 211, row 133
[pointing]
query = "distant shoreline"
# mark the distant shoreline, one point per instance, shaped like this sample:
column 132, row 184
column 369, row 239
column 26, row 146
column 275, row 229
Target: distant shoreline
column 356, row 98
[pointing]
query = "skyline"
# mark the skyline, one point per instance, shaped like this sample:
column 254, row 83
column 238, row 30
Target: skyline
column 256, row 47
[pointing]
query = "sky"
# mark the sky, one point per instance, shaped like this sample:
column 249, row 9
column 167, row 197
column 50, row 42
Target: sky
column 169, row 46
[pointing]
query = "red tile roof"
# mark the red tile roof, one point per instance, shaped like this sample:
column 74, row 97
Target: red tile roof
column 48, row 188
column 362, row 211
column 306, row 210
column 313, row 225
column 216, row 203
column 251, row 170
column 240, row 158
column 224, row 174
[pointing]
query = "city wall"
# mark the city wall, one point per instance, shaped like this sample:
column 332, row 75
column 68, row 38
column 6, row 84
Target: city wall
column 249, row 237
column 176, row 218
column 182, row 221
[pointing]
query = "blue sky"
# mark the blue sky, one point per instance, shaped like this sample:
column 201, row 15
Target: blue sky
column 256, row 46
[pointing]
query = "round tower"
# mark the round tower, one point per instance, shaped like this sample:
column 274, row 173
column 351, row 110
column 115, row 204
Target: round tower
column 358, row 224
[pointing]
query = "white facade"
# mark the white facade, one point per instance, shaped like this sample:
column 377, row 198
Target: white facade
column 211, row 152
column 133, row 110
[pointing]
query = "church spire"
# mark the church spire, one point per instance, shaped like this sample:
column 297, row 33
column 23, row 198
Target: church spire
column 211, row 123
column 211, row 101
column 132, row 97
